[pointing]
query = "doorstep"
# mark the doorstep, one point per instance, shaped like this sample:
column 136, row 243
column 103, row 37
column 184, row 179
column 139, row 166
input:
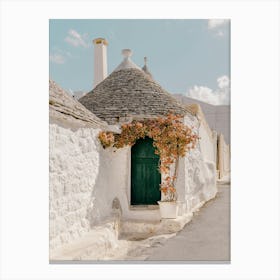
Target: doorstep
column 137, row 230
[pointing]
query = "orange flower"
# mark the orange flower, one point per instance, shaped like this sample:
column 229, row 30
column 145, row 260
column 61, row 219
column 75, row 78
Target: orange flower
column 171, row 138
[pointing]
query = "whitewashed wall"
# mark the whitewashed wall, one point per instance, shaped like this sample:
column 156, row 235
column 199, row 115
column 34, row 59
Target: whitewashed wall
column 85, row 179
column 207, row 142
column 112, row 181
column 197, row 172
column 223, row 157
column 116, row 171
column 200, row 178
column 74, row 167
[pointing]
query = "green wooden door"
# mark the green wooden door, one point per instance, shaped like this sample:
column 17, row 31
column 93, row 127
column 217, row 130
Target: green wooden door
column 145, row 177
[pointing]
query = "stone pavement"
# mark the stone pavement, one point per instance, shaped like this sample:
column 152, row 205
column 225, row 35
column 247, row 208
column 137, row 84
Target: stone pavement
column 205, row 238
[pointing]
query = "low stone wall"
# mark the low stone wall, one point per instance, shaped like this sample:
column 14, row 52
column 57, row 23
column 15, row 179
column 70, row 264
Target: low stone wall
column 74, row 164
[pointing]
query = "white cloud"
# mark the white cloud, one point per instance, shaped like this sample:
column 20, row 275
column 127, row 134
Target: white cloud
column 57, row 58
column 76, row 40
column 214, row 23
column 220, row 33
column 220, row 96
column 223, row 82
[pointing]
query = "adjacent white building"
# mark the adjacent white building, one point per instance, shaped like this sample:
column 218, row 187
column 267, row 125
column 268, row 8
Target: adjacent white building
column 217, row 116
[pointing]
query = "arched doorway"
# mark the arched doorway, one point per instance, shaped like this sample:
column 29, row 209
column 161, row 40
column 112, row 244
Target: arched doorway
column 145, row 177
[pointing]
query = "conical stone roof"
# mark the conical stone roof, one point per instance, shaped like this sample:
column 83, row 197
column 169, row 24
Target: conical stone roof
column 130, row 92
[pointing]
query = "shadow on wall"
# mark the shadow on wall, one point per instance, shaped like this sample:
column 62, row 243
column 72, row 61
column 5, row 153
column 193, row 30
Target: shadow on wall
column 100, row 205
column 110, row 182
column 201, row 180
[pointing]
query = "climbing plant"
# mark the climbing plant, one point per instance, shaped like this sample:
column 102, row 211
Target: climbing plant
column 171, row 138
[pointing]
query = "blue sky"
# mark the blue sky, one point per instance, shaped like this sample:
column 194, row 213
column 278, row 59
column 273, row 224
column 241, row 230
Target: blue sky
column 191, row 57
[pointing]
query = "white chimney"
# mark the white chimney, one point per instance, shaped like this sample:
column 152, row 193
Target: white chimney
column 100, row 60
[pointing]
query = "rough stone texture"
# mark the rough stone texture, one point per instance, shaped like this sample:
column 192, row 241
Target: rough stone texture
column 130, row 92
column 212, row 145
column 74, row 167
column 84, row 181
column 200, row 182
column 65, row 109
column 198, row 172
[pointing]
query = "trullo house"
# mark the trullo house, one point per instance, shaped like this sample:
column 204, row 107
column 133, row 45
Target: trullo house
column 88, row 183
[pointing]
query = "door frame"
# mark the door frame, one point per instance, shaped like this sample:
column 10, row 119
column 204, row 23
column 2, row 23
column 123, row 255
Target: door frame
column 138, row 207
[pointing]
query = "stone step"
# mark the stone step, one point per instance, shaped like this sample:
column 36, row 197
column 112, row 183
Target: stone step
column 142, row 229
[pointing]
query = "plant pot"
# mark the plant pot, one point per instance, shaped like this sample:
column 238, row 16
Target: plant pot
column 168, row 209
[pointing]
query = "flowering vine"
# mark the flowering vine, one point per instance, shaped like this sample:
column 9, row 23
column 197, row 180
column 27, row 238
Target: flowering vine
column 171, row 138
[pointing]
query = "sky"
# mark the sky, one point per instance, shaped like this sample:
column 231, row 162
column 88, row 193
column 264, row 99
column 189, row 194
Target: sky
column 186, row 56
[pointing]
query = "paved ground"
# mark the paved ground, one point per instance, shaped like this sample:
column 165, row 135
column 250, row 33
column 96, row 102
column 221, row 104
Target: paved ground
column 205, row 238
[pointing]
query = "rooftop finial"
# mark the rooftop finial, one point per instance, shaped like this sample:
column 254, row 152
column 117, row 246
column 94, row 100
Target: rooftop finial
column 145, row 67
column 127, row 53
column 127, row 63
column 145, row 60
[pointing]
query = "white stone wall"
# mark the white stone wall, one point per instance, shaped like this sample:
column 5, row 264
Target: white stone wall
column 207, row 143
column 111, row 183
column 218, row 117
column 74, row 167
column 197, row 172
column 223, row 157
column 85, row 179
column 115, row 176
column 200, row 178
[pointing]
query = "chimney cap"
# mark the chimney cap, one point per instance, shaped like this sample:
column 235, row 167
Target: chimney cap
column 127, row 53
column 100, row 41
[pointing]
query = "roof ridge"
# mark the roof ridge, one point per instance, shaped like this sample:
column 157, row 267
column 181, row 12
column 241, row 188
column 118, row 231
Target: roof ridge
column 60, row 102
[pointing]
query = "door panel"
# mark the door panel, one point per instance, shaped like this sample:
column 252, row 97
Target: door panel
column 145, row 177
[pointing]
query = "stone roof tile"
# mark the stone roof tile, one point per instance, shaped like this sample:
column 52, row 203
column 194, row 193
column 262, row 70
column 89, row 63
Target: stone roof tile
column 130, row 92
column 64, row 107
